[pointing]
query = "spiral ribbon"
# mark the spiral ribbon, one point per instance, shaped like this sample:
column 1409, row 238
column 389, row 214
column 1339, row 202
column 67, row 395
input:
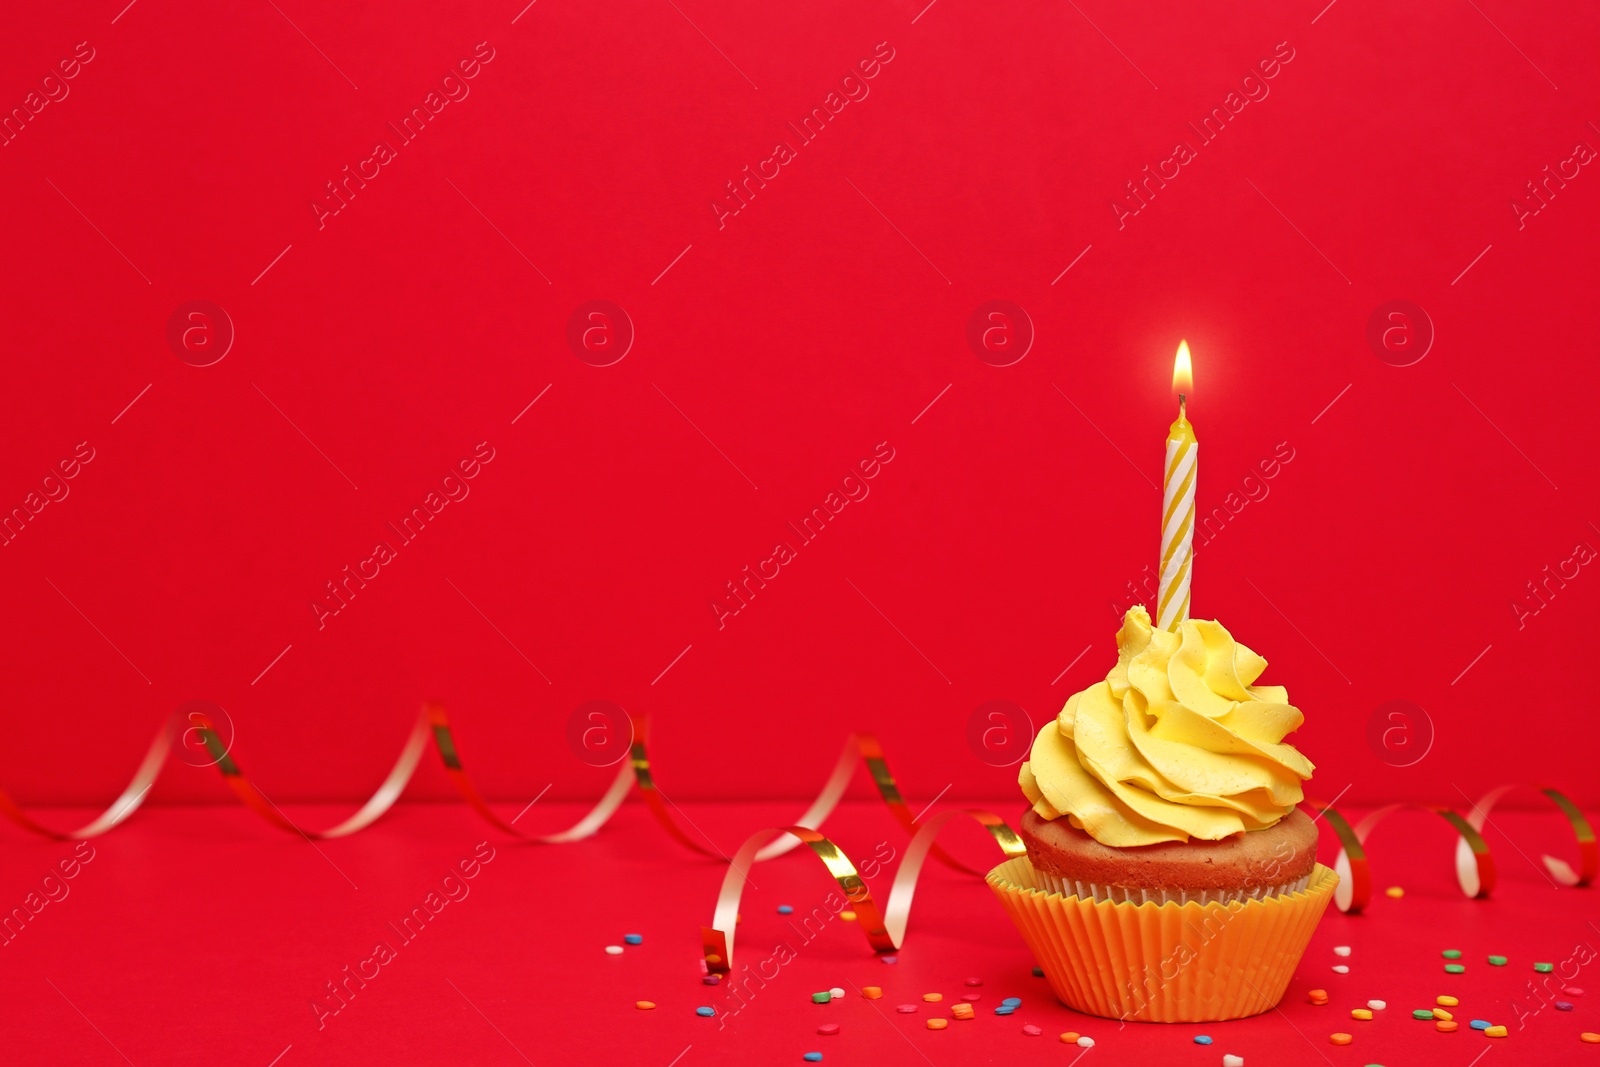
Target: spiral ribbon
column 884, row 928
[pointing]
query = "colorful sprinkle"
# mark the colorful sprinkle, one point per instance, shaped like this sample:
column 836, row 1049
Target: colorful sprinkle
column 1454, row 968
column 821, row 998
column 905, row 1009
column 1394, row 891
column 1070, row 1037
column 1318, row 996
column 1590, row 1038
column 961, row 1011
column 1086, row 1042
column 1229, row 1060
column 848, row 916
column 1202, row 1039
column 1361, row 1013
column 1011, row 1002
column 1447, row 1000
column 1440, row 1013
column 633, row 939
column 970, row 997
column 1032, row 1030
column 711, row 979
column 613, row 950
column 1340, row 1039
column 1451, row 954
column 828, row 1029
column 705, row 1013
column 1038, row 972
column 933, row 998
column 1377, row 1005
column 836, row 992
column 644, row 1005
column 812, row 1057
column 872, row 992
column 1563, row 1005
column 890, row 959
column 1422, row 1013
column 938, row 1024
column 1497, row 961
column 1445, row 1026
column 1572, row 991
column 785, row 909
column 1544, row 968
column 1479, row 1024
column 974, row 981
column 1341, row 950
column 1340, row 968
column 1495, row 1031
column 1004, row 1010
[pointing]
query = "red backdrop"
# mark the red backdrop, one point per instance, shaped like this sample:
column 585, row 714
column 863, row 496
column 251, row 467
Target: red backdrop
column 1355, row 156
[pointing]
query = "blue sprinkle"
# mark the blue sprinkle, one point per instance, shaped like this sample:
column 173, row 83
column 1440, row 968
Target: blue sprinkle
column 1563, row 1005
column 633, row 939
column 890, row 959
column 1202, row 1039
column 812, row 1057
column 784, row 909
column 1479, row 1024
column 712, row 979
column 1004, row 1009
column 1011, row 1002
column 705, row 1013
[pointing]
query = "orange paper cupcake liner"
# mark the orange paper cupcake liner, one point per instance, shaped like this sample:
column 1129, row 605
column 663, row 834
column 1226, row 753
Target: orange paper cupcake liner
column 1168, row 963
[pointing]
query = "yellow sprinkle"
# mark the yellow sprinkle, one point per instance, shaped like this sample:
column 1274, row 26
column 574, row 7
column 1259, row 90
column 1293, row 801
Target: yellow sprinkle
column 848, row 916
column 872, row 992
column 1070, row 1037
column 1440, row 1013
column 933, row 998
column 938, row 1024
column 1447, row 1001
column 1360, row 1013
column 1394, row 891
column 644, row 1005
column 1495, row 1031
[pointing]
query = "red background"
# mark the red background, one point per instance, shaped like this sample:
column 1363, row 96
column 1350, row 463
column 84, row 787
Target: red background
column 771, row 355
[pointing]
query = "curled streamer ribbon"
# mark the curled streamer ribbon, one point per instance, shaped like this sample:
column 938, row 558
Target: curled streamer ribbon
column 1475, row 870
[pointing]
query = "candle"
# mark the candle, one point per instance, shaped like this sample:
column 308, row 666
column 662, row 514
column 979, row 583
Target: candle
column 1177, row 504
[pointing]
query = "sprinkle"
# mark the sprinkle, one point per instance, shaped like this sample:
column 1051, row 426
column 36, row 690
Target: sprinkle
column 1422, row 1013
column 938, row 1024
column 1394, row 891
column 613, row 950
column 1572, row 991
column 1377, row 1005
column 1232, row 1061
column 712, row 957
column 906, row 1009
column 1202, row 1039
column 1590, row 1038
column 1361, row 1013
column 1038, row 972
column 812, row 1057
column 1004, row 1009
column 1318, row 996
column 821, row 998
column 1086, row 1042
column 1011, row 1002
column 1451, row 954
column 1479, row 1024
column 1497, row 961
column 1440, row 1013
column 1495, row 1031
column 848, row 916
column 961, row 1011
column 974, row 981
column 705, row 1013
column 1454, row 968
column 872, row 992
column 1340, row 968
column 644, row 1005
column 1341, row 950
column 828, row 1029
column 711, row 979
column 633, row 939
column 890, row 959
column 836, row 992
column 1032, row 1030
column 1445, row 1026
column 969, row 997
column 1069, row 1038
column 1544, row 968
column 1563, row 1005
column 785, row 909
column 1447, row 1000
column 933, row 998
column 1340, row 1039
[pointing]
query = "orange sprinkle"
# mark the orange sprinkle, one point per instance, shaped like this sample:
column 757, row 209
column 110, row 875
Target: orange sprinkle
column 872, row 992
column 933, row 998
column 1593, row 1039
column 1445, row 1026
column 1361, row 1013
column 1318, row 996
column 713, row 958
column 962, row 1011
column 644, row 1005
column 1340, row 1039
column 1071, row 1037
column 938, row 1024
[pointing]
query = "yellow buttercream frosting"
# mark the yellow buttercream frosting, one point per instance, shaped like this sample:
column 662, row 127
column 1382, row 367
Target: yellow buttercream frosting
column 1177, row 742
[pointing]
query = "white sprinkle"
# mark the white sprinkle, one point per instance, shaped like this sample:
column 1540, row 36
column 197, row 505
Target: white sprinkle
column 835, row 992
column 1086, row 1042
column 1376, row 1005
column 613, row 950
column 1341, row 950
column 1340, row 968
column 1232, row 1061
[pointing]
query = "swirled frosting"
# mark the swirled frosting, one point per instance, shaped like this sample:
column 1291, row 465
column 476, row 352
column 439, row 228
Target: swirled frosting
column 1177, row 742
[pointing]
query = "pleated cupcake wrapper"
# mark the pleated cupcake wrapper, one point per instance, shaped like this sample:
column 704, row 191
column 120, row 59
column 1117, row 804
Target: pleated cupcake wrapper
column 1169, row 962
column 1118, row 894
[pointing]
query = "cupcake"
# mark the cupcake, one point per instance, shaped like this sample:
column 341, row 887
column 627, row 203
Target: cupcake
column 1169, row 875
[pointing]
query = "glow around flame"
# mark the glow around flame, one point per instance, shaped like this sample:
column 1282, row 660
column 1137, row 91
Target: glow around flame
column 1182, row 370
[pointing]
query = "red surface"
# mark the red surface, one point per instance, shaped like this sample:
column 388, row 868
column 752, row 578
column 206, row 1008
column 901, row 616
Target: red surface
column 378, row 348
column 198, row 936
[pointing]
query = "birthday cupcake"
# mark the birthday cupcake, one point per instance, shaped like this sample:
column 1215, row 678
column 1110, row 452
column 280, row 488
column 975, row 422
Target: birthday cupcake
column 1169, row 876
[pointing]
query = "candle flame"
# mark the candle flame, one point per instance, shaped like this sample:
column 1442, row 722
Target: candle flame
column 1182, row 370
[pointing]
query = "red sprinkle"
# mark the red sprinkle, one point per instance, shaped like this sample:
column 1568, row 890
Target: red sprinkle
column 906, row 1009
column 971, row 996
column 828, row 1028
column 974, row 981
column 1032, row 1030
